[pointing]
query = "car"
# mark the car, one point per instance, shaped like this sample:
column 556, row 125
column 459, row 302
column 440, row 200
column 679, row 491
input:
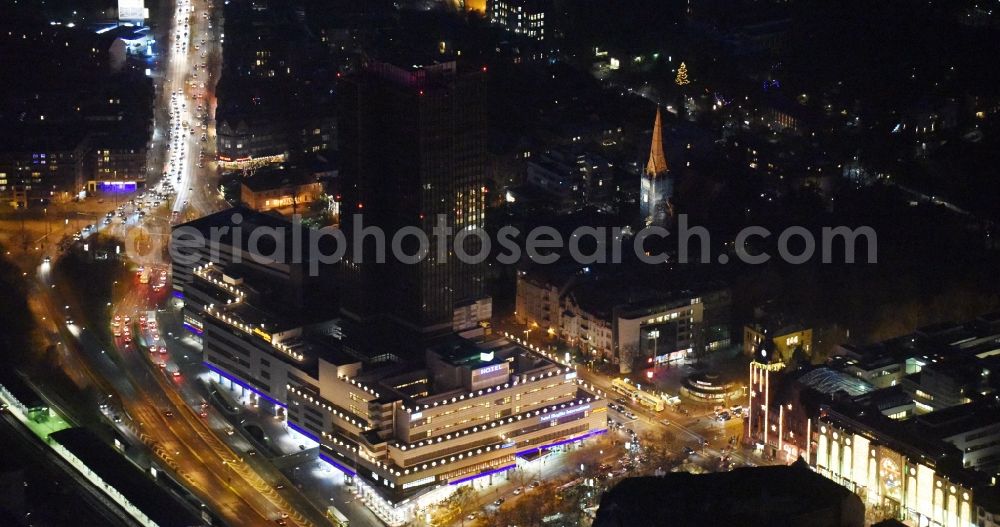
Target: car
column 203, row 414
column 168, row 413
column 280, row 486
column 47, row 259
column 176, row 374
column 535, row 484
column 498, row 502
column 251, row 452
column 230, row 431
column 518, row 491
column 688, row 450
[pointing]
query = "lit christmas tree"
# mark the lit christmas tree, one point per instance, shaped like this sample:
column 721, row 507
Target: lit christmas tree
column 682, row 75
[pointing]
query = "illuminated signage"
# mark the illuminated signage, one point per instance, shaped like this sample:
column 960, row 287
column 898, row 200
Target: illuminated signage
column 486, row 356
column 419, row 482
column 418, row 415
column 563, row 413
column 131, row 10
column 571, row 375
column 262, row 334
column 490, row 369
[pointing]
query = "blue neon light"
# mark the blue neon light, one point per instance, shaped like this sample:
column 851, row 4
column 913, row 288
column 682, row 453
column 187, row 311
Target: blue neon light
column 337, row 466
column 300, row 430
column 193, row 329
column 563, row 442
column 116, row 186
column 245, row 385
column 483, row 474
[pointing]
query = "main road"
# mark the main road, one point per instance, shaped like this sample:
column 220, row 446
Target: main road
column 143, row 401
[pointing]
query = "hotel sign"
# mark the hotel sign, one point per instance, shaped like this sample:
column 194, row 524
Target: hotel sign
column 564, row 413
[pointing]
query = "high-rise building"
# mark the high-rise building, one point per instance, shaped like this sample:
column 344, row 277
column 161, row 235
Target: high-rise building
column 413, row 147
column 656, row 187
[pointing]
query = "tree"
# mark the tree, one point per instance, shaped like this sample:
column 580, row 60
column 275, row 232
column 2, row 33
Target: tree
column 682, row 75
column 659, row 458
column 456, row 506
column 464, row 501
column 536, row 504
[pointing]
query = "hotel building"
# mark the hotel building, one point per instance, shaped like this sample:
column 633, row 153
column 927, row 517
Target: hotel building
column 405, row 432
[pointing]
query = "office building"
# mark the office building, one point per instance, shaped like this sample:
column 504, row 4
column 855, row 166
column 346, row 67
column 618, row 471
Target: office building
column 413, row 147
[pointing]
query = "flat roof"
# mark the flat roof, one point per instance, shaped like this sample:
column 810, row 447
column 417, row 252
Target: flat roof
column 112, row 467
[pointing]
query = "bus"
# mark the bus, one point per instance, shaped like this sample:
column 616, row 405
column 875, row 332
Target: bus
column 646, row 399
column 336, row 516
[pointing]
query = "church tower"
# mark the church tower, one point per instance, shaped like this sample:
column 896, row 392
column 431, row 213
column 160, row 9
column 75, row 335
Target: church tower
column 656, row 187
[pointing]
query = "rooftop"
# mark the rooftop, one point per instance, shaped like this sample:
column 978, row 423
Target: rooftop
column 112, row 467
column 771, row 495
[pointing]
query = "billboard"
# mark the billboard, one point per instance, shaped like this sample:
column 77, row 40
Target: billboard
column 131, row 10
column 890, row 474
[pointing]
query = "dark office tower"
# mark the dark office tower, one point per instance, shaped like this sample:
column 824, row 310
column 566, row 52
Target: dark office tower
column 413, row 146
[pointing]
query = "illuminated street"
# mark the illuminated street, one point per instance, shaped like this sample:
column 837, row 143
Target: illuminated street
column 495, row 263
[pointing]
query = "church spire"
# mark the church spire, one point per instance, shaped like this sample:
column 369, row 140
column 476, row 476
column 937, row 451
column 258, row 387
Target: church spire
column 657, row 163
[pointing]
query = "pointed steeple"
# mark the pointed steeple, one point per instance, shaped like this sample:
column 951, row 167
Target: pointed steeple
column 657, row 163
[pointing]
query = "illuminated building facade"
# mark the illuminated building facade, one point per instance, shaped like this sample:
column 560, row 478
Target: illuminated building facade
column 907, row 479
column 45, row 172
column 655, row 187
column 521, row 17
column 412, row 148
column 116, row 161
column 250, row 142
column 280, row 189
column 609, row 323
column 761, row 427
column 469, row 410
column 401, row 431
column 784, row 338
column 405, row 431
